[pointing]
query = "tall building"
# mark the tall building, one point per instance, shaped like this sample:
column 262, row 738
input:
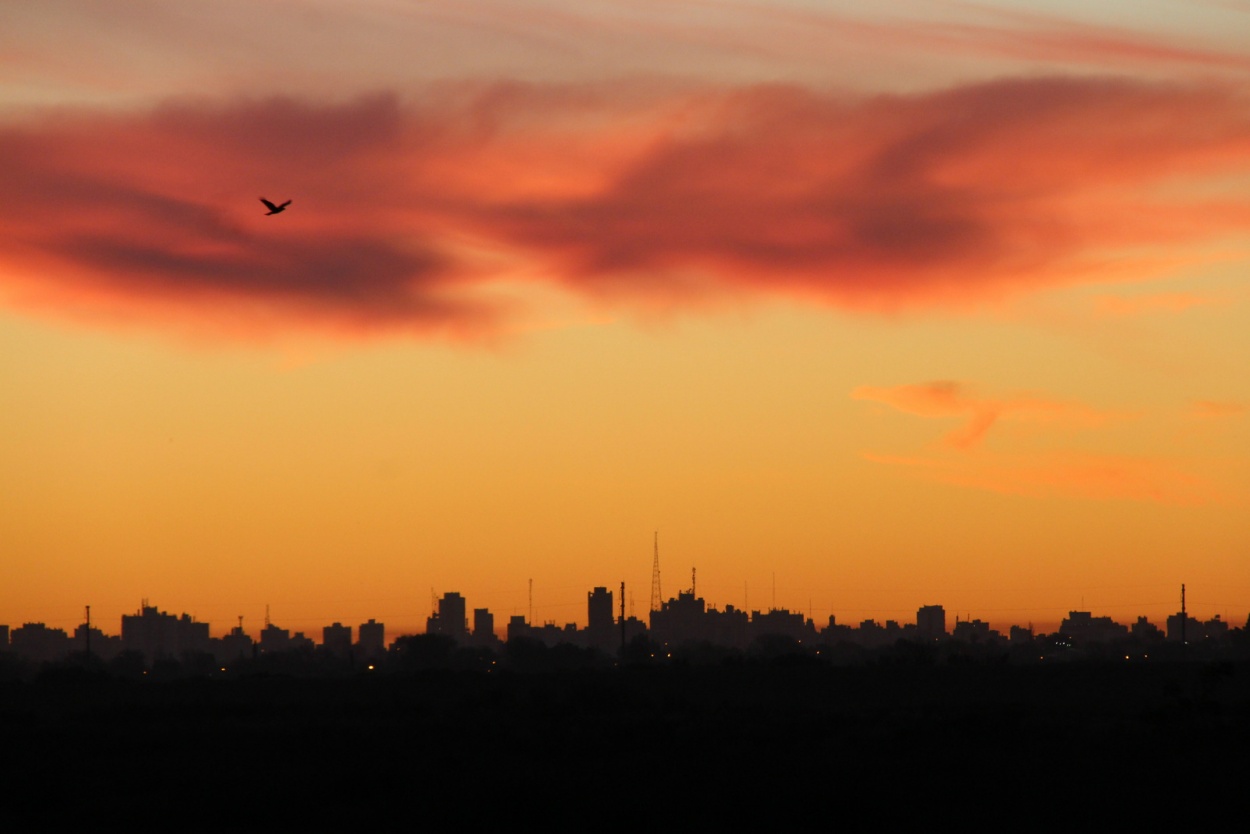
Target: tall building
column 450, row 619
column 156, row 635
column 1184, row 628
column 37, row 642
column 236, row 645
column 1084, row 627
column 931, row 623
column 975, row 631
column 680, row 620
column 372, row 639
column 483, row 627
column 601, row 630
column 101, row 645
column 337, row 639
column 781, row 622
column 518, row 627
column 274, row 639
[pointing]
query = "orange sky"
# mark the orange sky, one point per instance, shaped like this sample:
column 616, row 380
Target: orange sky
column 942, row 306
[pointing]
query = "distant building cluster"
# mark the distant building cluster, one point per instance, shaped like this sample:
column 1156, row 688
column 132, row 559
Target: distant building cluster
column 150, row 635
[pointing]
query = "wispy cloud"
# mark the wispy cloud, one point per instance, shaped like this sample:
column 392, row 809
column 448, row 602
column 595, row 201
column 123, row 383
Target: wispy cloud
column 962, row 459
column 416, row 215
column 954, row 399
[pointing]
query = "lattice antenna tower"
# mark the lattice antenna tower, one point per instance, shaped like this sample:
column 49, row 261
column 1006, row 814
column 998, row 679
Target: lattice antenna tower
column 656, row 596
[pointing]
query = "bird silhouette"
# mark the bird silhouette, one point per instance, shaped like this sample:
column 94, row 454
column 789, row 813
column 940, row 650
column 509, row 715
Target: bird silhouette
column 272, row 208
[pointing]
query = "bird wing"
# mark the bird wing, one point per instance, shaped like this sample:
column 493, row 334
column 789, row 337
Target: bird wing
column 270, row 205
column 284, row 205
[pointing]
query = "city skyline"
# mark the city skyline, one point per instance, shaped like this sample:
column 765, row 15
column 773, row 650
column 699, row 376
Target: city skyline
column 878, row 307
column 470, row 617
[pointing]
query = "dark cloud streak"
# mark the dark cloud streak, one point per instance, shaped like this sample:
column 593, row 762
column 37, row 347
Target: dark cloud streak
column 947, row 197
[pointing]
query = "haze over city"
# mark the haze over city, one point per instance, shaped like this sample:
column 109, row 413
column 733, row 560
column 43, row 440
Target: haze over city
column 862, row 309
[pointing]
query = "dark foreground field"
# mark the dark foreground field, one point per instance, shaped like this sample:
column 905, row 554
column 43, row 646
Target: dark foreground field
column 767, row 746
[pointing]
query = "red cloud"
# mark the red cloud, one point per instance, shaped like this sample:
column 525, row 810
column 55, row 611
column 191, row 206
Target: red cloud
column 410, row 216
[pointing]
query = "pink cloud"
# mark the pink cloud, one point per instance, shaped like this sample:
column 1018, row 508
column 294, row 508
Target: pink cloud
column 408, row 216
column 953, row 399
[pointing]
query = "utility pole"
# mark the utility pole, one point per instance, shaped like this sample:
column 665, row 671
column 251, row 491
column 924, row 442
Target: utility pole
column 622, row 616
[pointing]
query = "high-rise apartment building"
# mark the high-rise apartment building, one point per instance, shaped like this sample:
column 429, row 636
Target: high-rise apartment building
column 600, row 624
column 371, row 639
column 931, row 623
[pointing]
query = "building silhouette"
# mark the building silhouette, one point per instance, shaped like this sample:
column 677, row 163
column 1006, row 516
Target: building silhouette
column 157, row 635
column 337, row 640
column 371, row 640
column 94, row 641
column 38, row 643
column 450, row 619
column 233, row 646
column 484, row 627
column 931, row 623
column 601, row 630
column 975, row 631
column 274, row 640
column 680, row 620
column 1084, row 627
column 1143, row 629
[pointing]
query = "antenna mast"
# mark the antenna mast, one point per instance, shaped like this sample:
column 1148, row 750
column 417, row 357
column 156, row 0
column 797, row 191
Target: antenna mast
column 622, row 616
column 655, row 575
column 1183, row 617
column 692, row 593
column 531, row 602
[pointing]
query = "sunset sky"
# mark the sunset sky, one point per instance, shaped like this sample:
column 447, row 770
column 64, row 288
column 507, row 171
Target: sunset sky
column 945, row 303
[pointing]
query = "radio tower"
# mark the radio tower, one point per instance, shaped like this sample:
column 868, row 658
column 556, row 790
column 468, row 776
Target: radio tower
column 1183, row 616
column 655, row 576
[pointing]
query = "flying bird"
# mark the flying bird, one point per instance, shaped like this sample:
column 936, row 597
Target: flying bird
column 272, row 208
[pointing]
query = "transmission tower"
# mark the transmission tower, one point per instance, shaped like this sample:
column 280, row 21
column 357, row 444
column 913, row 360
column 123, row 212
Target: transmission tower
column 655, row 576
